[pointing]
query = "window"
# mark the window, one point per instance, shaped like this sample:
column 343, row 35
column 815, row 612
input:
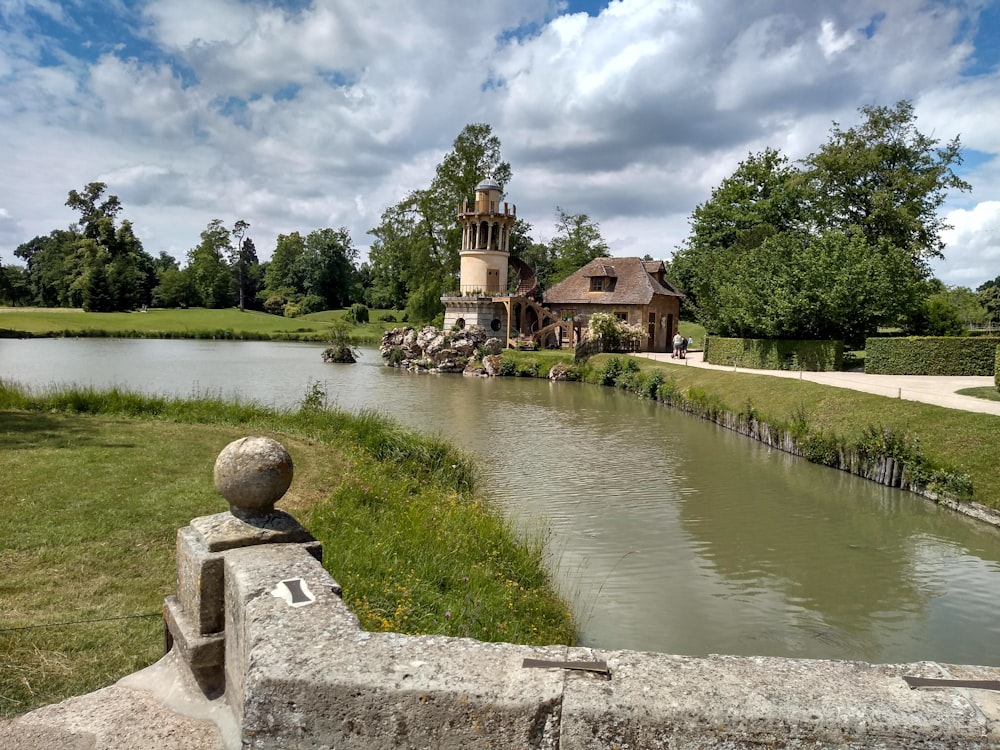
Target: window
column 597, row 284
column 460, row 323
column 495, row 324
column 622, row 316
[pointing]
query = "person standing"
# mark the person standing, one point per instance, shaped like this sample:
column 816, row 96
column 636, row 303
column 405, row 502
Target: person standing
column 678, row 339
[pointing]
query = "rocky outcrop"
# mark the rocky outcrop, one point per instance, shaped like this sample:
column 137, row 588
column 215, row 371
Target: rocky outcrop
column 431, row 350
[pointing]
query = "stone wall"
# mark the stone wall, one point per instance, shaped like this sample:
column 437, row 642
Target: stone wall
column 297, row 671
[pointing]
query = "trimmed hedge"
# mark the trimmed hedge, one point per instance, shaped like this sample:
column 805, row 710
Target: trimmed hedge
column 775, row 354
column 996, row 369
column 931, row 355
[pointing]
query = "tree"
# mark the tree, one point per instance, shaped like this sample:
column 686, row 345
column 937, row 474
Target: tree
column 126, row 274
column 328, row 266
column 759, row 200
column 48, row 262
column 281, row 282
column 578, row 241
column 210, row 275
column 886, row 178
column 240, row 257
column 14, row 288
column 535, row 254
column 415, row 255
column 828, row 250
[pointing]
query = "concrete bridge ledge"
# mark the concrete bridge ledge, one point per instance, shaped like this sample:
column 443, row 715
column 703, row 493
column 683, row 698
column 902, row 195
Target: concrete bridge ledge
column 308, row 677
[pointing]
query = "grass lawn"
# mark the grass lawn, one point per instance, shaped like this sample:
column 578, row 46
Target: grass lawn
column 193, row 323
column 96, row 485
column 988, row 393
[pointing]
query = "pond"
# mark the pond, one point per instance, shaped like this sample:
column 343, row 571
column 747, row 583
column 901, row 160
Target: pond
column 666, row 533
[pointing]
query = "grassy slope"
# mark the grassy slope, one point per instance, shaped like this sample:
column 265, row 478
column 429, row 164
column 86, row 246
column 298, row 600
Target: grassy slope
column 91, row 503
column 965, row 441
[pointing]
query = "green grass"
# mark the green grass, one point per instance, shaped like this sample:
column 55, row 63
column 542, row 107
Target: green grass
column 986, row 392
column 194, row 323
column 96, row 484
column 696, row 331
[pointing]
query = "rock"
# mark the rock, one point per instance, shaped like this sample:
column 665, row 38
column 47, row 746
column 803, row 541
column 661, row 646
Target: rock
column 491, row 364
column 493, row 345
column 560, row 371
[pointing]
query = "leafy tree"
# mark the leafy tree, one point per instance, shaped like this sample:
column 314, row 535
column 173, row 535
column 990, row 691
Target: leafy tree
column 578, row 241
column 886, row 178
column 796, row 286
column 389, row 260
column 209, row 273
column 989, row 298
column 110, row 261
column 935, row 316
column 285, row 272
column 48, row 262
column 176, row 289
column 14, row 289
column 327, row 266
column 829, row 250
column 759, row 200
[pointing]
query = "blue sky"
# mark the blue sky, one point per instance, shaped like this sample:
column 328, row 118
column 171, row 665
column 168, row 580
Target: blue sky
column 301, row 114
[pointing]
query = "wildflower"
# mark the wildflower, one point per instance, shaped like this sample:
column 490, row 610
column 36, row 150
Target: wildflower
column 447, row 613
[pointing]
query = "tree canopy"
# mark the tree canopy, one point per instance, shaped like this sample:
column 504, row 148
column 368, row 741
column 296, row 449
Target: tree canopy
column 97, row 263
column 830, row 248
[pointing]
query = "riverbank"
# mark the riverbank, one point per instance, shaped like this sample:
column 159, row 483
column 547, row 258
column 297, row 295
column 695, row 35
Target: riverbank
column 92, row 501
column 951, row 455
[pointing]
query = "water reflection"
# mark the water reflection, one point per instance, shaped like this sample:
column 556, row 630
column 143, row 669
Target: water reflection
column 667, row 533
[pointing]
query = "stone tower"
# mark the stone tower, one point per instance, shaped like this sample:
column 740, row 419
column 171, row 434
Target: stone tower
column 485, row 242
column 484, row 257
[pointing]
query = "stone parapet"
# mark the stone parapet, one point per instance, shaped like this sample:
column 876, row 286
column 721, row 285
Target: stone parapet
column 305, row 676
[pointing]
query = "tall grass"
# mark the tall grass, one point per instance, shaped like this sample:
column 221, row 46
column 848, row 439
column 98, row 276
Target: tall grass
column 98, row 481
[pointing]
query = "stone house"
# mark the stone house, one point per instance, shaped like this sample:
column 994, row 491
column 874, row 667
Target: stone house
column 635, row 290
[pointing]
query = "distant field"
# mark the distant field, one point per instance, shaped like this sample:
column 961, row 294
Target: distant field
column 193, row 323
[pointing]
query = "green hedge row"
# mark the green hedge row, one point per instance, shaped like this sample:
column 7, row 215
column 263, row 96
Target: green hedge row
column 931, row 355
column 996, row 369
column 775, row 354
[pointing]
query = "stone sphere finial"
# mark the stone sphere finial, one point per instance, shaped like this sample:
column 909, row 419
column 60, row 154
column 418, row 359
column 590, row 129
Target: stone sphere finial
column 252, row 474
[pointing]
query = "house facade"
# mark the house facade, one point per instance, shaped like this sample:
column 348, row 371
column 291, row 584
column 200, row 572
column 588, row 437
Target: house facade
column 634, row 290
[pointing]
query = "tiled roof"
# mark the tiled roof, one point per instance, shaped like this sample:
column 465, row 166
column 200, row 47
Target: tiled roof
column 633, row 284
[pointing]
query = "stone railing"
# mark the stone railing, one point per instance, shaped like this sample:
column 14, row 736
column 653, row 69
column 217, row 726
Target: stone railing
column 260, row 624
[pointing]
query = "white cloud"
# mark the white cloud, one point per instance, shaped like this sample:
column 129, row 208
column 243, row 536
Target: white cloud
column 972, row 246
column 326, row 115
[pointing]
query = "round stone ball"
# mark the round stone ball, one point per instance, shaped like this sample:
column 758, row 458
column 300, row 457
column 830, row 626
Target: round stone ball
column 253, row 473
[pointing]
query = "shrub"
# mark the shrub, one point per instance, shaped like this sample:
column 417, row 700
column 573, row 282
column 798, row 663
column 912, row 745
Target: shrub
column 357, row 313
column 931, row 355
column 275, row 304
column 508, row 367
column 615, row 368
column 775, row 354
column 387, row 318
column 996, row 369
column 292, row 310
column 312, row 303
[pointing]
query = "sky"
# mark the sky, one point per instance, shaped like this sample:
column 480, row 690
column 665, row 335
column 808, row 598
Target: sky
column 296, row 115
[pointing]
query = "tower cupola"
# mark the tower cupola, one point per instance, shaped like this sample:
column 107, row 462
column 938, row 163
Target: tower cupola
column 486, row 226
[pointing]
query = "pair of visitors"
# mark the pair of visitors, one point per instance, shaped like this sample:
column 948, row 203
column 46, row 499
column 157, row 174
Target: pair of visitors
column 678, row 343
